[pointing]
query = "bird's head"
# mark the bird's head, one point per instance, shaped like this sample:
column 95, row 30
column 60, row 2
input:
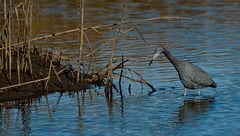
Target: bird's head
column 157, row 52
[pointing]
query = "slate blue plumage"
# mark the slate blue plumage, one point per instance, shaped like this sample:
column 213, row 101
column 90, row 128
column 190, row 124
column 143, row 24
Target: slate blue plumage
column 191, row 76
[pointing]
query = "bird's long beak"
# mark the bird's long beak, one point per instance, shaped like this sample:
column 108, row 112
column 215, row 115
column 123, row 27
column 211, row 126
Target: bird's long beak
column 154, row 57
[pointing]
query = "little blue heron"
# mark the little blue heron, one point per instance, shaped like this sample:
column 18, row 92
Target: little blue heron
column 191, row 76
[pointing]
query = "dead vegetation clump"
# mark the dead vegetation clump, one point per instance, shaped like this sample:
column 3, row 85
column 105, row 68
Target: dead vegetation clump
column 24, row 68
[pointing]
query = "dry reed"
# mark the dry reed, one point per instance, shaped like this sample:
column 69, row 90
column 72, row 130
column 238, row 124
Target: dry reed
column 109, row 81
column 11, row 33
column 8, row 45
column 81, row 41
column 49, row 73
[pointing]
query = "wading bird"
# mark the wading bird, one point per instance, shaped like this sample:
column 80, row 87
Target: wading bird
column 191, row 76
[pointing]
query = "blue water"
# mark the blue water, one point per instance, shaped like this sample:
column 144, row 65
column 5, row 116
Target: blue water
column 210, row 40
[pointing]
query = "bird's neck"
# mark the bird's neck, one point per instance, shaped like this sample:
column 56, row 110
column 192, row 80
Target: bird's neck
column 172, row 59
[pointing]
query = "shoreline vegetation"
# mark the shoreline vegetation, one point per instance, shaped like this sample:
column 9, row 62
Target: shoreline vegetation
column 26, row 70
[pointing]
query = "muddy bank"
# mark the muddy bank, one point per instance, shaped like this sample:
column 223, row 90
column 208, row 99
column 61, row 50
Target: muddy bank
column 62, row 77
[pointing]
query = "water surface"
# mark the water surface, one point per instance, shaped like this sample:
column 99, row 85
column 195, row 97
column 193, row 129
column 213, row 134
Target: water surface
column 211, row 41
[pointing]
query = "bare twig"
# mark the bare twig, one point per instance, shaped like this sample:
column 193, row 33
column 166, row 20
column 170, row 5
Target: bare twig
column 141, row 36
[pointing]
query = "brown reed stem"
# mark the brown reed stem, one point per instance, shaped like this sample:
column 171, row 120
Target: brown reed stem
column 91, row 53
column 6, row 40
column 25, row 83
column 49, row 73
column 89, row 65
column 81, row 41
column 9, row 40
column 57, row 76
column 18, row 37
column 110, row 66
column 29, row 37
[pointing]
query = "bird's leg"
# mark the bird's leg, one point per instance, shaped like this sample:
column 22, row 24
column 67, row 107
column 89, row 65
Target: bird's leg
column 185, row 91
column 198, row 92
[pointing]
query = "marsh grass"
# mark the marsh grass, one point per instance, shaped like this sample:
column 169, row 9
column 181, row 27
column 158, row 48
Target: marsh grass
column 10, row 34
column 17, row 38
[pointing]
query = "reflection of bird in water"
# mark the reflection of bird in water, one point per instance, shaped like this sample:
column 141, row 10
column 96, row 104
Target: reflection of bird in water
column 193, row 106
column 191, row 76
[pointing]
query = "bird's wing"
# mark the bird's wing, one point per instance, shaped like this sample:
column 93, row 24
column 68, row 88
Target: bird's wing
column 200, row 77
